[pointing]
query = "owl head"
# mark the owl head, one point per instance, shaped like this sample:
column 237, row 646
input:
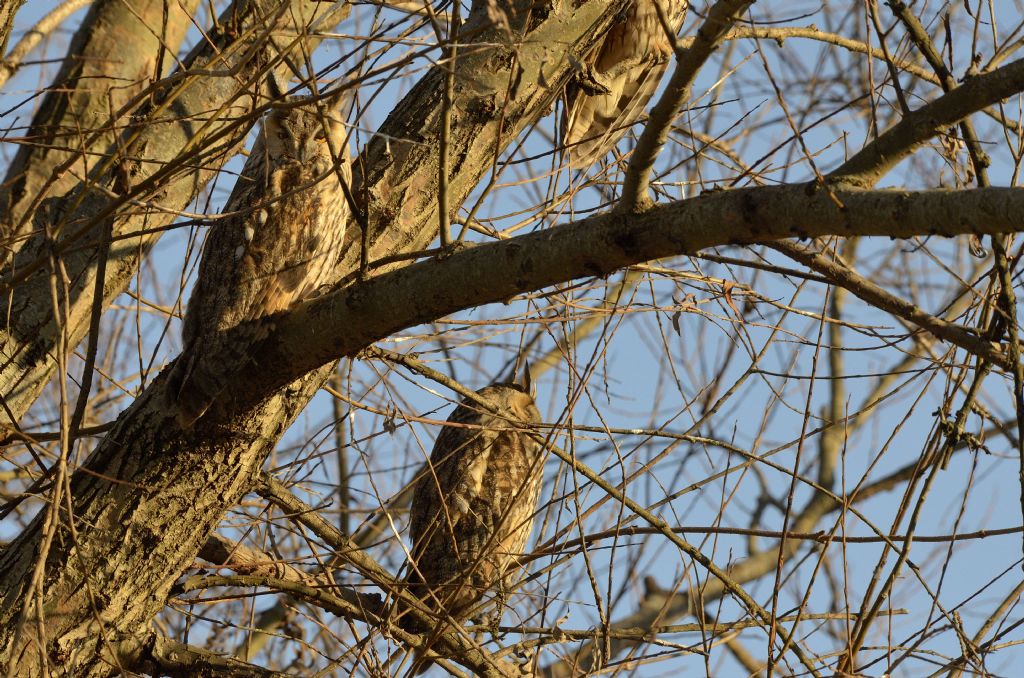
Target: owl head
column 296, row 131
column 520, row 378
column 515, row 396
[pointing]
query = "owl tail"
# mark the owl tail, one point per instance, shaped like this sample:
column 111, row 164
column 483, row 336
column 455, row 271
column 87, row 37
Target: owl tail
column 204, row 371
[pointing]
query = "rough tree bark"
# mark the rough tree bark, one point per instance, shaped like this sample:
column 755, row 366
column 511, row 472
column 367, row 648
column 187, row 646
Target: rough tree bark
column 161, row 164
column 8, row 9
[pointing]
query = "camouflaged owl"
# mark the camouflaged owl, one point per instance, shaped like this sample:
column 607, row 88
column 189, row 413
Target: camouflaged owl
column 626, row 67
column 279, row 243
column 473, row 508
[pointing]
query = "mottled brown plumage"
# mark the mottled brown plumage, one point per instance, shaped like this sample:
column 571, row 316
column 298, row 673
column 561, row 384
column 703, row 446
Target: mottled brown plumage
column 628, row 63
column 473, row 509
column 280, row 243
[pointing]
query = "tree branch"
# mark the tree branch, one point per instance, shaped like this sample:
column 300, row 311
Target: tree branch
column 844, row 276
column 346, row 321
column 126, row 498
column 11, row 62
column 8, row 8
column 73, row 120
column 876, row 159
column 166, row 657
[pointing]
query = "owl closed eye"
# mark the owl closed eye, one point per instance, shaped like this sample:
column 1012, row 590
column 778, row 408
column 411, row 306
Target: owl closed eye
column 298, row 135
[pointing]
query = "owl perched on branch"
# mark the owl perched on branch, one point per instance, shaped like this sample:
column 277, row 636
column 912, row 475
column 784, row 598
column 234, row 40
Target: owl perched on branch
column 621, row 75
column 473, row 508
column 279, row 243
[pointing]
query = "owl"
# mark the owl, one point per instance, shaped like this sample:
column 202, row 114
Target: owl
column 473, row 507
column 626, row 66
column 278, row 243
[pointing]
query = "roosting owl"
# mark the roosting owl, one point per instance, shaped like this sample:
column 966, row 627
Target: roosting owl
column 628, row 63
column 279, row 243
column 473, row 507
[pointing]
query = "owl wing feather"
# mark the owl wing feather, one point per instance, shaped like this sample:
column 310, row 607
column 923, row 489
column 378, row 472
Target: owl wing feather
column 472, row 510
column 452, row 481
column 628, row 65
column 219, row 289
column 597, row 121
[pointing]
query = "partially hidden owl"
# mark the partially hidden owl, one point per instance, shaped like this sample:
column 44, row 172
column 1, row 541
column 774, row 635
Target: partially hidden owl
column 628, row 63
column 473, row 508
column 279, row 243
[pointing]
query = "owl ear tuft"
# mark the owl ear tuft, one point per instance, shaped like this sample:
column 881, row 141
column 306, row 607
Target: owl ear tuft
column 525, row 379
column 276, row 87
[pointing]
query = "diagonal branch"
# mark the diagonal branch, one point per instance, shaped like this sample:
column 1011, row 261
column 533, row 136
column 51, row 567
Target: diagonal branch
column 8, row 8
column 375, row 613
column 711, row 34
column 876, row 295
column 127, row 497
column 12, row 61
column 166, row 657
column 880, row 156
column 73, row 123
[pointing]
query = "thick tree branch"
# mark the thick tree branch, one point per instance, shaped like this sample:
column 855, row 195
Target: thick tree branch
column 8, row 8
column 167, row 657
column 73, row 122
column 396, row 178
column 126, row 501
column 130, row 536
column 343, row 323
